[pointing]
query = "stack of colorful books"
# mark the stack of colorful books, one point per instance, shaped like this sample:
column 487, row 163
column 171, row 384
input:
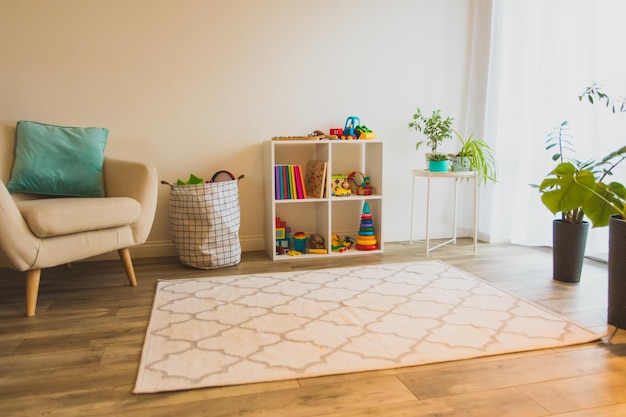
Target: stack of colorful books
column 289, row 182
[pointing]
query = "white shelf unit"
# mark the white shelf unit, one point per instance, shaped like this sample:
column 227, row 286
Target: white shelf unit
column 327, row 215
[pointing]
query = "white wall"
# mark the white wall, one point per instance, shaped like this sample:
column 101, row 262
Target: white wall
column 198, row 85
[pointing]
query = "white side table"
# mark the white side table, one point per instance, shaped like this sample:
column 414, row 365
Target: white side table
column 456, row 176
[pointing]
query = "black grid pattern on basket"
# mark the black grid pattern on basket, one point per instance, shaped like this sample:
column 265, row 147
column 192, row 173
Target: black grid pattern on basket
column 204, row 223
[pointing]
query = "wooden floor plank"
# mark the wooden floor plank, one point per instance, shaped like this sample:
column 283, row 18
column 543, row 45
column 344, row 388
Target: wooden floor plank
column 616, row 410
column 505, row 402
column 581, row 392
column 517, row 371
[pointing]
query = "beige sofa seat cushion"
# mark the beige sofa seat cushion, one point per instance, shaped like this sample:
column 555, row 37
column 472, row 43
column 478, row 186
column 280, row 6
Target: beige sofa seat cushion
column 50, row 217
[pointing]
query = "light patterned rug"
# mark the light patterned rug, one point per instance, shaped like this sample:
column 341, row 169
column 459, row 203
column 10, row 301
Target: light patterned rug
column 264, row 327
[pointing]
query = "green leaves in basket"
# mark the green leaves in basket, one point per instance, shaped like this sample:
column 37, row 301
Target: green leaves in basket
column 193, row 180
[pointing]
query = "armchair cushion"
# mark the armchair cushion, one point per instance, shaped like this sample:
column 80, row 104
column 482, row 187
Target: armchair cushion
column 51, row 217
column 58, row 160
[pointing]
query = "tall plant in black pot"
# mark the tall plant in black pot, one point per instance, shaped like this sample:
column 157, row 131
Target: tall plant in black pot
column 586, row 187
column 610, row 200
column 569, row 232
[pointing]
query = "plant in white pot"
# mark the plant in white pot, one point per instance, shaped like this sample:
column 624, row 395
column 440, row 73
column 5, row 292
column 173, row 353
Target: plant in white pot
column 475, row 155
column 436, row 129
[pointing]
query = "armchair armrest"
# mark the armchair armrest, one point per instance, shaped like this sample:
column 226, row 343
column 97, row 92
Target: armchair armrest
column 136, row 180
column 18, row 246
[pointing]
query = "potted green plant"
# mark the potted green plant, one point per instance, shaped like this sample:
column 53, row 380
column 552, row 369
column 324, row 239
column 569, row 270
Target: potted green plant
column 475, row 155
column 569, row 232
column 438, row 162
column 436, row 129
column 567, row 189
column 576, row 189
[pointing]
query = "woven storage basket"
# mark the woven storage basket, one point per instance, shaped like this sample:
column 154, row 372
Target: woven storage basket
column 204, row 224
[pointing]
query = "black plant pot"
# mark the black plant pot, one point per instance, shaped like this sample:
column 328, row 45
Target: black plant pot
column 568, row 250
column 617, row 272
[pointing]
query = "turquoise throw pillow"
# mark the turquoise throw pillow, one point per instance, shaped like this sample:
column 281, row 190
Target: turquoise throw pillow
column 58, row 160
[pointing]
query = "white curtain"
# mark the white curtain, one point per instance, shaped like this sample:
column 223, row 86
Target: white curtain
column 543, row 53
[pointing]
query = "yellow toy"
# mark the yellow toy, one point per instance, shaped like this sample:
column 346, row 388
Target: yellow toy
column 341, row 186
column 339, row 245
column 365, row 133
column 342, row 192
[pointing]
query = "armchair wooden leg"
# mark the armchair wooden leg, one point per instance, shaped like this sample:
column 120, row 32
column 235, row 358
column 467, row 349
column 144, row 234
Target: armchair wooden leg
column 32, row 290
column 128, row 265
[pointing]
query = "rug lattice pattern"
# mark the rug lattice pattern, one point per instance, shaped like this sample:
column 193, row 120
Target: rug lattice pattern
column 262, row 327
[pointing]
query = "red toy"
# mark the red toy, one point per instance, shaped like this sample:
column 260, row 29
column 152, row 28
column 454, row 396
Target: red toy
column 360, row 183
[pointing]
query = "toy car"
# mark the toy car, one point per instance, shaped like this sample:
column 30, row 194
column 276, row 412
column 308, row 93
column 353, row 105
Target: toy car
column 342, row 192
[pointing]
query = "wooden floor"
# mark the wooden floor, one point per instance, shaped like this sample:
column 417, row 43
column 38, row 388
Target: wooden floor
column 79, row 355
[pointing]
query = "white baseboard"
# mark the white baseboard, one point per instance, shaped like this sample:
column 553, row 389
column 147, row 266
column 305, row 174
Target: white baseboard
column 435, row 232
column 165, row 248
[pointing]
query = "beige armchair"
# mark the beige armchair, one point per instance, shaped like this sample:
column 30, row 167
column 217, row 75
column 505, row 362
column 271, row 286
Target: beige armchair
column 40, row 232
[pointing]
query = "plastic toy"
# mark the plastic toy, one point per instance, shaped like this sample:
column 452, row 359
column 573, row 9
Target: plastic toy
column 352, row 123
column 360, row 183
column 338, row 180
column 336, row 132
column 366, row 239
column 354, row 130
column 299, row 241
column 337, row 244
column 343, row 192
column 364, row 133
column 341, row 186
column 282, row 236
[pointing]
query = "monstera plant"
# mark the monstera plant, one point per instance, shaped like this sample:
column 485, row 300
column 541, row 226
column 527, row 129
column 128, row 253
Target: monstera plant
column 576, row 189
column 586, row 189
